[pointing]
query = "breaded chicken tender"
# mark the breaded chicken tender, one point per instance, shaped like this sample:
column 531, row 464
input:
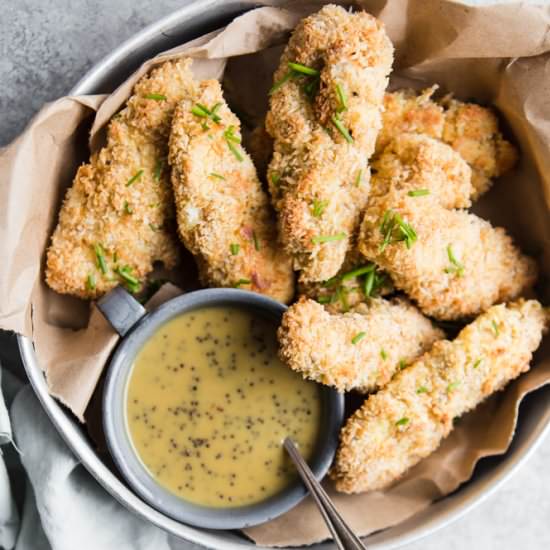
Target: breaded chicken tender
column 407, row 420
column 115, row 219
column 224, row 217
column 324, row 117
column 471, row 130
column 450, row 262
column 359, row 350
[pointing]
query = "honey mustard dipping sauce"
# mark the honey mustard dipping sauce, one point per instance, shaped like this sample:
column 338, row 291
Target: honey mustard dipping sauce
column 209, row 404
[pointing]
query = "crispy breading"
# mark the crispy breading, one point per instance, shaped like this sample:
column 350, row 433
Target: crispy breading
column 224, row 217
column 120, row 205
column 407, row 420
column 356, row 282
column 318, row 176
column 450, row 262
column 359, row 350
column 470, row 129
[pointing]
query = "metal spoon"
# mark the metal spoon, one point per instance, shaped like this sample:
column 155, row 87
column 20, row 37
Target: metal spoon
column 342, row 534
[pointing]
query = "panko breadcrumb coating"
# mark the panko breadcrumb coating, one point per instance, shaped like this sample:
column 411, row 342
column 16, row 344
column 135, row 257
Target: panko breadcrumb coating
column 407, row 420
column 224, row 217
column 471, row 130
column 324, row 117
column 450, row 262
column 114, row 222
column 359, row 350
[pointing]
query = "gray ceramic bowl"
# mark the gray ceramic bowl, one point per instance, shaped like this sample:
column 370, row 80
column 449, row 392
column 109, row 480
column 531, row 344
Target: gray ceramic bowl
column 136, row 326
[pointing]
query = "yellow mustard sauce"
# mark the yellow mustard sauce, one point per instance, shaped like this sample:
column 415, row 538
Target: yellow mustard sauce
column 209, row 404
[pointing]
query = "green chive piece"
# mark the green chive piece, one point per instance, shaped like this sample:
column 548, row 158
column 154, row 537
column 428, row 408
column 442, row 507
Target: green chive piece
column 134, row 178
column 197, row 110
column 127, row 208
column 311, row 88
column 157, row 172
column 395, row 229
column 456, row 266
column 90, row 281
column 369, row 283
column 358, row 337
column 325, row 299
column 275, row 177
column 280, row 82
column 495, row 328
column 242, row 282
column 231, row 139
column 359, row 178
column 402, row 364
column 478, row 362
column 318, row 208
column 337, row 121
column 383, row 354
column 402, row 421
column 419, row 193
column 422, row 389
column 154, row 227
column 256, row 241
column 234, row 248
column 358, row 271
column 303, row 69
column 125, row 274
column 100, row 255
column 341, row 295
column 215, row 175
column 343, row 100
column 320, row 239
column 157, row 97
column 452, row 386
column 115, row 257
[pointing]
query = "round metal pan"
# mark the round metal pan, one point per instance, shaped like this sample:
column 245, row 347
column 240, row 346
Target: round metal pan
column 185, row 24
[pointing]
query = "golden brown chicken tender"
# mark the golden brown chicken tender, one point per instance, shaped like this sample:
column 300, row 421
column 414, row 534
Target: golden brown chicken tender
column 406, row 421
column 471, row 130
column 114, row 222
column 359, row 350
column 224, row 217
column 324, row 117
column 451, row 263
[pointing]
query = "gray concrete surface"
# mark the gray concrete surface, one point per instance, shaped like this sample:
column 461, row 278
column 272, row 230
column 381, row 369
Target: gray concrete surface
column 46, row 45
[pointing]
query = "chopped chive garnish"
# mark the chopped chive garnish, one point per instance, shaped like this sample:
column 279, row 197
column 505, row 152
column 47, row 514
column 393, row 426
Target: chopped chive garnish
column 419, row 193
column 402, row 364
column 495, row 328
column 90, row 281
column 157, row 97
column 157, row 172
column 358, row 337
column 242, row 282
column 422, row 389
column 394, row 229
column 369, row 283
column 215, row 175
column 154, row 227
column 358, row 271
column 256, row 241
column 115, row 257
column 311, row 88
column 452, row 386
column 231, row 139
column 100, row 255
column 325, row 299
column 359, row 178
column 125, row 274
column 478, row 362
column 154, row 205
column 337, row 121
column 234, row 248
column 275, row 177
column 456, row 266
column 402, row 421
column 341, row 295
column 280, row 82
column 199, row 111
column 328, row 238
column 303, row 69
column 343, row 100
column 127, row 208
column 383, row 354
column 134, row 178
column 318, row 208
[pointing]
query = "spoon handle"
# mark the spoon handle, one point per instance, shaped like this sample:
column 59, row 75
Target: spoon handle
column 342, row 534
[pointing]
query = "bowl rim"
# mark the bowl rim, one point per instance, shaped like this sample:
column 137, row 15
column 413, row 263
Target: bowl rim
column 126, row 457
column 440, row 514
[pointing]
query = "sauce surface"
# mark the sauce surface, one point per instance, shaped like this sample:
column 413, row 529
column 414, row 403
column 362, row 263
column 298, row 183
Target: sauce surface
column 209, row 404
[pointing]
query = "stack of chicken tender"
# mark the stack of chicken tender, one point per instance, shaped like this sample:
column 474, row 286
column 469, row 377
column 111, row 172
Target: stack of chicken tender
column 367, row 201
